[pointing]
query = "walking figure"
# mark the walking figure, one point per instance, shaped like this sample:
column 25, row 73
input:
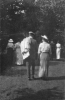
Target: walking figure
column 29, row 51
column 44, row 52
column 52, row 50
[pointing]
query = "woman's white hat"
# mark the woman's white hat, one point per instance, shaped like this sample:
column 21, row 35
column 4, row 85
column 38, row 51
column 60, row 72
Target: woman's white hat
column 10, row 40
column 44, row 37
column 30, row 32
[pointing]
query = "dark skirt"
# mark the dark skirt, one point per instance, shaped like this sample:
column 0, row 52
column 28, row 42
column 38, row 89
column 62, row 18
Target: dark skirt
column 9, row 56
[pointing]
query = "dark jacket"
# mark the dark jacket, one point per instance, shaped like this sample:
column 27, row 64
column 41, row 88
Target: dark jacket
column 33, row 49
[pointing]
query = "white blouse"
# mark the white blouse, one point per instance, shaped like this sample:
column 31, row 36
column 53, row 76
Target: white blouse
column 44, row 47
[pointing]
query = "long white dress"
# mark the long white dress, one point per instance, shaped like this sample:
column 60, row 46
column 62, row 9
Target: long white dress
column 18, row 58
column 58, row 51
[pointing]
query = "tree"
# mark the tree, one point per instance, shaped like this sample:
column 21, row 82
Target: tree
column 45, row 16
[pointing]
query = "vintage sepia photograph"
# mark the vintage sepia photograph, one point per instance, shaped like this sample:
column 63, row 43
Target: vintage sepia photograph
column 32, row 49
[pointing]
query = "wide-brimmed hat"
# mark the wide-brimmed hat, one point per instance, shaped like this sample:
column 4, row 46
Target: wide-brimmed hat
column 44, row 37
column 30, row 32
column 10, row 40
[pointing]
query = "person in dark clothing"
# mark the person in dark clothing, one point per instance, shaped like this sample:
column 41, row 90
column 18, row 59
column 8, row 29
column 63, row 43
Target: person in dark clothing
column 52, row 50
column 10, row 48
column 30, row 60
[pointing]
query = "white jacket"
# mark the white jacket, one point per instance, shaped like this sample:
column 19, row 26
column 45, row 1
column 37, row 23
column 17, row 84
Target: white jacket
column 25, row 46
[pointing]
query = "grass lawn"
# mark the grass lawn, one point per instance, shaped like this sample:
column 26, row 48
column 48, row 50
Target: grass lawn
column 14, row 84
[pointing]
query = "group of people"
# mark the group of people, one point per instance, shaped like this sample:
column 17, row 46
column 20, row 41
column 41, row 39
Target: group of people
column 31, row 51
column 13, row 52
column 28, row 51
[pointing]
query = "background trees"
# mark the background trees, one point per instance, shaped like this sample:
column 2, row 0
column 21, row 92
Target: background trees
column 41, row 16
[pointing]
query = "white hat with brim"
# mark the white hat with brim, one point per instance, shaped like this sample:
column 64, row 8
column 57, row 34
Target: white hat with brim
column 30, row 32
column 10, row 40
column 44, row 37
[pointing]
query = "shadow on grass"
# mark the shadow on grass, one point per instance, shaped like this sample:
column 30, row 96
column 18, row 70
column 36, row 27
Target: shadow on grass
column 51, row 78
column 15, row 72
column 62, row 59
column 11, row 72
column 56, row 78
column 47, row 94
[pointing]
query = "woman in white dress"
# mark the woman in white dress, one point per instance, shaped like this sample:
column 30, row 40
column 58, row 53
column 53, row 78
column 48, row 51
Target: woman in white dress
column 44, row 52
column 18, row 55
column 58, row 50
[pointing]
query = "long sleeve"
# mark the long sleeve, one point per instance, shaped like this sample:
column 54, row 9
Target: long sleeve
column 39, row 49
column 50, row 51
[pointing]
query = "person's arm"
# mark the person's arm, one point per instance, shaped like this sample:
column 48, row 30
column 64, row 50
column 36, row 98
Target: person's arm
column 60, row 46
column 39, row 50
column 50, row 51
column 13, row 46
column 36, row 49
column 7, row 46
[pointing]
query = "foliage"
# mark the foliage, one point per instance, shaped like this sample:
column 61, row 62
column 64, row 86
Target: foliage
column 42, row 17
column 18, row 17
